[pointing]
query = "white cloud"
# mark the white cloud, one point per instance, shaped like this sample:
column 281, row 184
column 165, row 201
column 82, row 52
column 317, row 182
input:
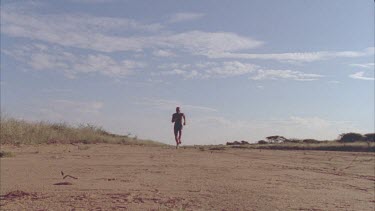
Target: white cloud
column 113, row 34
column 107, row 34
column 184, row 16
column 202, row 43
column 49, row 26
column 294, row 57
column 233, row 68
column 41, row 57
column 172, row 104
column 81, row 31
column 284, row 74
column 364, row 65
column 164, row 53
column 174, row 65
column 206, row 70
column 360, row 76
column 209, row 69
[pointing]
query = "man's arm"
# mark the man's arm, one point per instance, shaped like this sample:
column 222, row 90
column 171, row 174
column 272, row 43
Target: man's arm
column 173, row 119
column 183, row 115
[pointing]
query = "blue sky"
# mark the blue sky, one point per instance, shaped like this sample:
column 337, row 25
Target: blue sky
column 240, row 70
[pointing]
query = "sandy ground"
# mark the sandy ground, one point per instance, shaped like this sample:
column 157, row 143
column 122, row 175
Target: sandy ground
column 119, row 177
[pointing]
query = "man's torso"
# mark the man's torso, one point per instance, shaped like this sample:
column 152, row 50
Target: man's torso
column 178, row 118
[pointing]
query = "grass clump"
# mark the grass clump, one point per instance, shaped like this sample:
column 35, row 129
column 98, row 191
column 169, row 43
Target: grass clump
column 14, row 131
column 4, row 154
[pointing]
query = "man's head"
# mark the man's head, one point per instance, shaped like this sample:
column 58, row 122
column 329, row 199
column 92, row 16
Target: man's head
column 177, row 109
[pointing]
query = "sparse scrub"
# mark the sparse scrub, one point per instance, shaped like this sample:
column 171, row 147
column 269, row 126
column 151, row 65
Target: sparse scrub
column 325, row 146
column 15, row 131
column 4, row 154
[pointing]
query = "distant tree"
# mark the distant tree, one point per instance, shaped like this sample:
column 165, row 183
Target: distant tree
column 370, row 137
column 262, row 142
column 236, row 143
column 292, row 140
column 276, row 139
column 350, row 137
column 244, row 142
column 310, row 141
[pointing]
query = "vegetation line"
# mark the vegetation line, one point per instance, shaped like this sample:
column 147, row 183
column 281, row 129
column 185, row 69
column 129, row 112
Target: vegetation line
column 14, row 131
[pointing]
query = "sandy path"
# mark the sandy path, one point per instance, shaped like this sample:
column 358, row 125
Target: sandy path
column 119, row 177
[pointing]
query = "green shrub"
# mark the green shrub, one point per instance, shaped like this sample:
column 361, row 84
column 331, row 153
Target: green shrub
column 262, row 142
column 292, row 140
column 350, row 137
column 310, row 141
column 369, row 137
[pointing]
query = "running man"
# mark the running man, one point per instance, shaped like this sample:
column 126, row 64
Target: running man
column 177, row 119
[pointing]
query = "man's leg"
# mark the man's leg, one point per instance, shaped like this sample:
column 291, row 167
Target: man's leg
column 179, row 136
column 176, row 136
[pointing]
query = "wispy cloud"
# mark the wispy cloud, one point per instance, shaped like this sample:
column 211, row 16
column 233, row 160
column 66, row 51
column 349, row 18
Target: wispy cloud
column 294, row 57
column 42, row 57
column 115, row 34
column 206, row 70
column 172, row 104
column 360, row 76
column 184, row 16
column 285, row 74
column 201, row 43
column 107, row 34
column 163, row 53
column 364, row 65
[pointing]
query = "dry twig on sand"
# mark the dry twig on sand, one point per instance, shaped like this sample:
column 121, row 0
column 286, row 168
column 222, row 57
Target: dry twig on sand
column 62, row 174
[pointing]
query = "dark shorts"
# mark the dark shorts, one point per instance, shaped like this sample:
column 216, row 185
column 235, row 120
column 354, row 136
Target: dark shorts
column 177, row 128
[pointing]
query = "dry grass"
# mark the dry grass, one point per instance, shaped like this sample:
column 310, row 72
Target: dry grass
column 15, row 131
